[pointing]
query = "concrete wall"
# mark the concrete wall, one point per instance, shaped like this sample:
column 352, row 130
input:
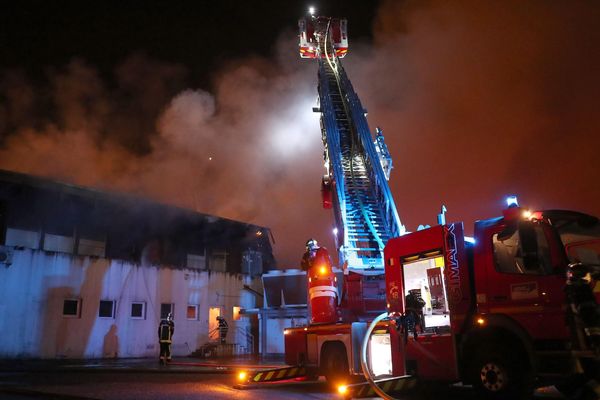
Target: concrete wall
column 33, row 289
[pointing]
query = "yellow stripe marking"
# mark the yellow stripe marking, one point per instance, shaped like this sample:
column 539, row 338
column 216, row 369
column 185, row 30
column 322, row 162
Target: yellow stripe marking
column 257, row 377
column 269, row 375
column 281, row 374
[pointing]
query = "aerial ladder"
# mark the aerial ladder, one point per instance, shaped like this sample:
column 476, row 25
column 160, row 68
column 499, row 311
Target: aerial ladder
column 358, row 166
column 355, row 186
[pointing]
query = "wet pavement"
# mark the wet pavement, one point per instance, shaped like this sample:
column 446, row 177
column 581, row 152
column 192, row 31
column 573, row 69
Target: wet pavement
column 178, row 365
column 184, row 378
column 78, row 379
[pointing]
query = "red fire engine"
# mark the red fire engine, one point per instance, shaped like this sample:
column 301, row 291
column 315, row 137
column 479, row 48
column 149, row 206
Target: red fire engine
column 492, row 308
column 499, row 320
column 506, row 310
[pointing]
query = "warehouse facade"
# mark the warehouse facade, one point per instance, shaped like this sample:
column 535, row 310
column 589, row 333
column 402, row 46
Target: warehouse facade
column 88, row 274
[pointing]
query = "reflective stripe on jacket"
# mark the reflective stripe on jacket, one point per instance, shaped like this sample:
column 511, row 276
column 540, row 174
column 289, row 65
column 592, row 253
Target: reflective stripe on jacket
column 165, row 331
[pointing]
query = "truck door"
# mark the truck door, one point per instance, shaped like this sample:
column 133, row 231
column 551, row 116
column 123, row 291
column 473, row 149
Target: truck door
column 432, row 264
column 525, row 280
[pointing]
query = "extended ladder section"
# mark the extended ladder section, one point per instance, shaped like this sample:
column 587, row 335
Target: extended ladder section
column 365, row 213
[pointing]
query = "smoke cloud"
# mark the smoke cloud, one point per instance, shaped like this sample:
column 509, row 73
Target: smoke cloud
column 477, row 100
column 249, row 150
column 480, row 100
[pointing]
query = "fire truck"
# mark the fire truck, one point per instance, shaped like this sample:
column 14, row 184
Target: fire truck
column 505, row 310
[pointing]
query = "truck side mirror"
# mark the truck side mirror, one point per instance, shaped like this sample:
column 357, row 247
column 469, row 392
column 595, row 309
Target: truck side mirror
column 529, row 245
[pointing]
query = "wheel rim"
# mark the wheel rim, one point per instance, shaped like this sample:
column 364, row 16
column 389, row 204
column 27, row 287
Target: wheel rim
column 493, row 377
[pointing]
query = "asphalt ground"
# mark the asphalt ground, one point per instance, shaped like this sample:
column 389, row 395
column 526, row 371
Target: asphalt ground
column 76, row 379
column 178, row 365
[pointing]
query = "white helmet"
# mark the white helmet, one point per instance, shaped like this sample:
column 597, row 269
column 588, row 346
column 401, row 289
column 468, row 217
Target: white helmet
column 311, row 244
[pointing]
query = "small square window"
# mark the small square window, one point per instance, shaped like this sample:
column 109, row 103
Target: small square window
column 192, row 312
column 72, row 308
column 107, row 309
column 138, row 310
column 165, row 309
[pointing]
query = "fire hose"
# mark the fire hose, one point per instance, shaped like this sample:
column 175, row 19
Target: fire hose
column 363, row 359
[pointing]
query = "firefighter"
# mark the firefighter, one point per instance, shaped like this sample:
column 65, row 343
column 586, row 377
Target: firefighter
column 414, row 311
column 583, row 318
column 166, row 329
column 223, row 328
column 311, row 250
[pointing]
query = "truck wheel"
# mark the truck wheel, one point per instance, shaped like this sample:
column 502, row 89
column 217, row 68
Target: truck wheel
column 496, row 374
column 335, row 364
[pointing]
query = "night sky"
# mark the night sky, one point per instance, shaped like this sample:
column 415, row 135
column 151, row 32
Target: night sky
column 207, row 105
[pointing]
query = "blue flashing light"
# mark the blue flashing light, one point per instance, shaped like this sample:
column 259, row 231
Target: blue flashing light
column 470, row 239
column 511, row 201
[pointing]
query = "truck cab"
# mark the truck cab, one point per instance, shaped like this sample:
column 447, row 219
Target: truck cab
column 493, row 307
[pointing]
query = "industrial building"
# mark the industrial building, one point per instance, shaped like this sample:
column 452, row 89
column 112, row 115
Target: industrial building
column 89, row 274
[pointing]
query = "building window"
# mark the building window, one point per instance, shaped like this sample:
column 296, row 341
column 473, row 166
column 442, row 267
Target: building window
column 138, row 310
column 72, row 308
column 22, row 238
column 252, row 262
column 218, row 261
column 192, row 312
column 236, row 313
column 107, row 309
column 165, row 309
column 89, row 247
column 195, row 261
column 58, row 243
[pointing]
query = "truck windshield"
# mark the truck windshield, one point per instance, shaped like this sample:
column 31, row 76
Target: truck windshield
column 580, row 234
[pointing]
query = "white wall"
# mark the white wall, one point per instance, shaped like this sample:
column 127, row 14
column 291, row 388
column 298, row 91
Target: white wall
column 33, row 288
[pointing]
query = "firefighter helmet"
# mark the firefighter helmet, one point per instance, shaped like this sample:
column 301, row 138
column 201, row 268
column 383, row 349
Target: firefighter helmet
column 311, row 244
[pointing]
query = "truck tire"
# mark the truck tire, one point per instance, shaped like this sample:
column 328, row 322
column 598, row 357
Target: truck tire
column 498, row 373
column 335, row 363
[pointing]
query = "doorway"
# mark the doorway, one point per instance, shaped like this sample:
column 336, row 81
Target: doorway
column 213, row 324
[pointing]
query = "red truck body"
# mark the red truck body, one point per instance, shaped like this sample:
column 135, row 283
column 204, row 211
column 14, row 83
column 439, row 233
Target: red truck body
column 487, row 300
